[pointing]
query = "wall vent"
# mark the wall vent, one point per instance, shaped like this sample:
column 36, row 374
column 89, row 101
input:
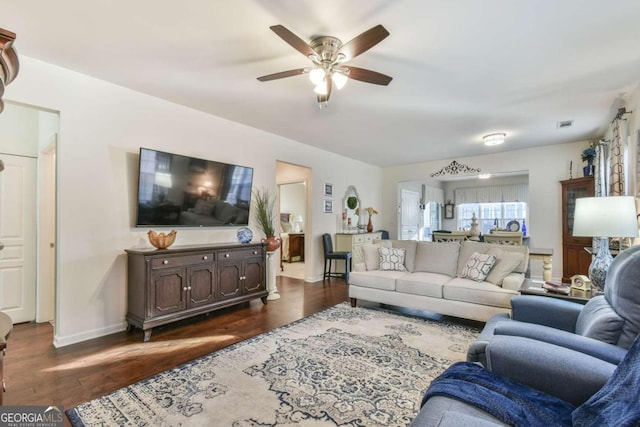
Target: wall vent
column 564, row 124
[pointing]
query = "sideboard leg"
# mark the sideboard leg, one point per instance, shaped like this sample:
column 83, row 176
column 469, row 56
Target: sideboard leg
column 264, row 300
column 147, row 334
column 354, row 302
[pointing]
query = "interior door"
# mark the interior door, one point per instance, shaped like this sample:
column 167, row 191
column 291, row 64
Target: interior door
column 18, row 234
column 410, row 214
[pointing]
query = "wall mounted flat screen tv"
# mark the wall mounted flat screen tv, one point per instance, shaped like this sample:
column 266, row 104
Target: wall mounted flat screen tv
column 181, row 191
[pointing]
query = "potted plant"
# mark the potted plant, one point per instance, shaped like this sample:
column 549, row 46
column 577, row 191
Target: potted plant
column 263, row 203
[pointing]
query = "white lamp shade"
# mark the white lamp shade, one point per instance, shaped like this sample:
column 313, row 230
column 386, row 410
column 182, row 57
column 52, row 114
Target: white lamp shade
column 339, row 79
column 316, row 76
column 298, row 218
column 321, row 88
column 613, row 216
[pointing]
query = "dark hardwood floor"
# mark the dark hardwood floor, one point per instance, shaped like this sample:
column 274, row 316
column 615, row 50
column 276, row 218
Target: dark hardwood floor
column 36, row 373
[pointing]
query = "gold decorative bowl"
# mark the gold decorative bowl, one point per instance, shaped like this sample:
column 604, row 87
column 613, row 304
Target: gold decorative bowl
column 161, row 240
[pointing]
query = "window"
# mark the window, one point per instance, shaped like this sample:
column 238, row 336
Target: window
column 491, row 214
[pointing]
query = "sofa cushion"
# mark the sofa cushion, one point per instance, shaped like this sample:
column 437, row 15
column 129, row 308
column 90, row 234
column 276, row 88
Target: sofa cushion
column 409, row 247
column 484, row 293
column 371, row 256
column 437, row 257
column 478, row 266
column 599, row 321
column 392, row 259
column 385, row 280
column 422, row 283
column 506, row 262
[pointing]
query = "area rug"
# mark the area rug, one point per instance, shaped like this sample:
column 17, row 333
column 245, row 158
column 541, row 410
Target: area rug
column 341, row 367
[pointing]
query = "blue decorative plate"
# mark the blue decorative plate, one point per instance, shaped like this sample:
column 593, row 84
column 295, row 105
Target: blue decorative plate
column 245, row 235
column 513, row 225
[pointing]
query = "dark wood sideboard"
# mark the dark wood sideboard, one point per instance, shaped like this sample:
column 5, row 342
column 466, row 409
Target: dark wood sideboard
column 167, row 285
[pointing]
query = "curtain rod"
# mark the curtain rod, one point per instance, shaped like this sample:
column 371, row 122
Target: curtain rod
column 620, row 114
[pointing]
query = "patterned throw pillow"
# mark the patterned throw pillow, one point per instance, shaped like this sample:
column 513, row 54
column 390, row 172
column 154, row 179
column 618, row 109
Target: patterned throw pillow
column 478, row 266
column 392, row 259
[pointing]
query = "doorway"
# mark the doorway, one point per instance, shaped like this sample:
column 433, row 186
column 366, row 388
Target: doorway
column 295, row 220
column 28, row 145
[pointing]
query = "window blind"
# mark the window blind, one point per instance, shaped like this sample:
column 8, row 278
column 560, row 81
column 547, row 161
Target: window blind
column 492, row 194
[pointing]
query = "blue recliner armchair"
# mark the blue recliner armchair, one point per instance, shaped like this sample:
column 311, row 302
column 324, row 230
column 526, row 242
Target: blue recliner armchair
column 467, row 394
column 604, row 328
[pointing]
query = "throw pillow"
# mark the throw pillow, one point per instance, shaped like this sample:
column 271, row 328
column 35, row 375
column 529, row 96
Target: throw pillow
column 409, row 247
column 478, row 266
column 506, row 263
column 392, row 259
column 371, row 256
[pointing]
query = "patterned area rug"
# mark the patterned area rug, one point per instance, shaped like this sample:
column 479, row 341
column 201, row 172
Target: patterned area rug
column 340, row 367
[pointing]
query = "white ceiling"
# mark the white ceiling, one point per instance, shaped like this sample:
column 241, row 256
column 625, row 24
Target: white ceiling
column 461, row 68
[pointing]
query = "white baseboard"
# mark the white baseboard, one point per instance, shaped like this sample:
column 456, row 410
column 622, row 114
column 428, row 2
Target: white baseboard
column 62, row 341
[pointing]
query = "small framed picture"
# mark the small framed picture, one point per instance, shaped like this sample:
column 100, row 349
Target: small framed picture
column 328, row 206
column 448, row 210
column 328, row 189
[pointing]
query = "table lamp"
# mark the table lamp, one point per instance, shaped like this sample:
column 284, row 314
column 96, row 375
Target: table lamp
column 297, row 223
column 604, row 217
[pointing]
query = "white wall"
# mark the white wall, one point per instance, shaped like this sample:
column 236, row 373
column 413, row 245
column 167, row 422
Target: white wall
column 102, row 127
column 546, row 165
column 292, row 200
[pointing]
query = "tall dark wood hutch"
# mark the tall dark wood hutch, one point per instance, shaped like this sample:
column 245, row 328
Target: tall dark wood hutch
column 575, row 259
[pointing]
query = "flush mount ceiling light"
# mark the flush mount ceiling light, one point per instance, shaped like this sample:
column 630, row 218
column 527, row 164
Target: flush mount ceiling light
column 484, row 176
column 494, row 138
column 328, row 55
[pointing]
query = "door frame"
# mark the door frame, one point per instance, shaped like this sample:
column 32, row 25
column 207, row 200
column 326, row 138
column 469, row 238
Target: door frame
column 46, row 239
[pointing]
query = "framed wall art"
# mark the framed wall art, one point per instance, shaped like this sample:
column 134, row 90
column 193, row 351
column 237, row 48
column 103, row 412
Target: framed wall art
column 328, row 189
column 328, row 206
column 448, row 210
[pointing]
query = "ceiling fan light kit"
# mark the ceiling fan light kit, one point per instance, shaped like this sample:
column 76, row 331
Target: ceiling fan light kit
column 328, row 55
column 494, row 139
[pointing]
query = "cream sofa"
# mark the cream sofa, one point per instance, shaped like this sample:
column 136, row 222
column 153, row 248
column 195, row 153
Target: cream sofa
column 432, row 280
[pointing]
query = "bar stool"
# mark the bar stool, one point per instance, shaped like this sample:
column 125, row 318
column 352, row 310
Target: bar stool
column 330, row 255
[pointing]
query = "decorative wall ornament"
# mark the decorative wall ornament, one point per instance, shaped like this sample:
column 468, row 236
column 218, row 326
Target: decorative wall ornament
column 455, row 168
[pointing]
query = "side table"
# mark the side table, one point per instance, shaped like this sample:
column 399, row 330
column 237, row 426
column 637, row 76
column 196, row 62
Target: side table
column 529, row 287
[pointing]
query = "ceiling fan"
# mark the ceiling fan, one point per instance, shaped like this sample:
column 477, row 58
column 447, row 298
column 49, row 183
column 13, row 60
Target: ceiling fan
column 329, row 55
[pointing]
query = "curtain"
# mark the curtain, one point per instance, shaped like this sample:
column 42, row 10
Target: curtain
column 617, row 161
column 493, row 194
column 612, row 163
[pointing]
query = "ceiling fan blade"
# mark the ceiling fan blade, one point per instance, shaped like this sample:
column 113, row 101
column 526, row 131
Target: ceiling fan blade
column 363, row 42
column 296, row 42
column 368, row 76
column 283, row 74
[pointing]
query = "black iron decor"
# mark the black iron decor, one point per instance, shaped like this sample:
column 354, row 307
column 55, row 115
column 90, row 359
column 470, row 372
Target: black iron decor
column 455, row 168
